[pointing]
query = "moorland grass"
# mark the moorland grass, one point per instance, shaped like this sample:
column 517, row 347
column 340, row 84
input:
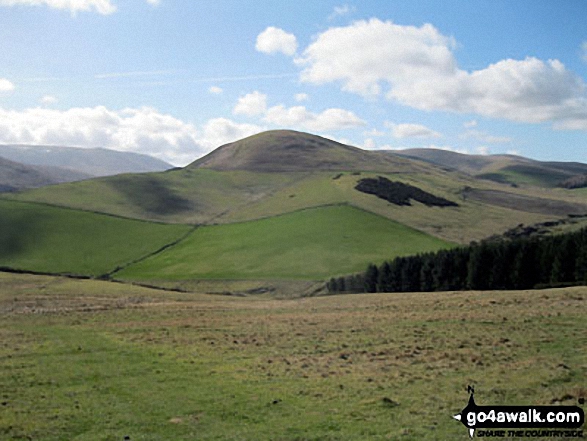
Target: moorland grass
column 308, row 244
column 41, row 238
column 91, row 360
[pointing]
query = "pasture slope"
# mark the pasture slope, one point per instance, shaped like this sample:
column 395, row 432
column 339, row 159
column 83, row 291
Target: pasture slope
column 89, row 360
column 311, row 244
column 46, row 239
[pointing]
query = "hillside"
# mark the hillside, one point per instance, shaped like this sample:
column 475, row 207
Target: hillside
column 15, row 176
column 309, row 244
column 45, row 239
column 507, row 169
column 280, row 172
column 290, row 151
column 93, row 162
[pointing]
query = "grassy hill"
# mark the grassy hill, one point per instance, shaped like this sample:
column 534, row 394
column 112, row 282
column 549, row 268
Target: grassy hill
column 244, row 196
column 506, row 169
column 287, row 151
column 41, row 238
column 309, row 244
column 15, row 176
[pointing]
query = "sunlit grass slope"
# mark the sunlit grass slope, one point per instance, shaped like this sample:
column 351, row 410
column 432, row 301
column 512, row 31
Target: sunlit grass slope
column 91, row 360
column 308, row 244
column 40, row 238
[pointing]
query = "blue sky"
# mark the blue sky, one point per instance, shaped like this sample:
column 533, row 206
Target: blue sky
column 177, row 78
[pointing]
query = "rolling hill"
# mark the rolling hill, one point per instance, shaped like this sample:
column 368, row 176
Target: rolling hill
column 93, row 162
column 505, row 169
column 279, row 205
column 15, row 176
column 290, row 151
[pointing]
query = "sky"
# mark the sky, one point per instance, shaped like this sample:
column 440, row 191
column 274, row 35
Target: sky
column 177, row 78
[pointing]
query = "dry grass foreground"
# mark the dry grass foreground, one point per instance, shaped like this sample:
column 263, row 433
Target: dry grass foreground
column 89, row 360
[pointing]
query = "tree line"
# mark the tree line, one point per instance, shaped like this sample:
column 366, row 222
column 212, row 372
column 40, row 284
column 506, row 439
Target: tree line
column 522, row 263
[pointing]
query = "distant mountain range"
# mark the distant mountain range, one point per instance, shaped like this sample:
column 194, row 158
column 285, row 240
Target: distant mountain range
column 15, row 176
column 505, row 169
column 31, row 166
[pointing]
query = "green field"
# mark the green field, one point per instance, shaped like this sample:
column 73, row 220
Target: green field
column 308, row 244
column 40, row 238
column 91, row 360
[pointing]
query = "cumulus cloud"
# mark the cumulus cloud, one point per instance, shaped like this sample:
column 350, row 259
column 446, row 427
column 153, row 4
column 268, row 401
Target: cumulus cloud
column 301, row 118
column 273, row 40
column 103, row 7
column 251, row 104
column 220, row 131
column 141, row 130
column 299, row 97
column 402, row 131
column 416, row 66
column 48, row 100
column 215, row 90
column 5, row 85
column 340, row 11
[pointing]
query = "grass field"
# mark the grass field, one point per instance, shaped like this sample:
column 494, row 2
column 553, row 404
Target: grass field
column 309, row 244
column 90, row 360
column 40, row 238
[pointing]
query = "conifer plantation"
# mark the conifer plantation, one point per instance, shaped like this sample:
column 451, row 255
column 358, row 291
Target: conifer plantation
column 522, row 263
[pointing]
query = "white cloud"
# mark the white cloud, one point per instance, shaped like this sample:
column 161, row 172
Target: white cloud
column 220, row 131
column 48, row 100
column 301, row 118
column 154, row 2
column 416, row 66
column 142, row 130
column 5, row 85
column 215, row 90
column 485, row 137
column 482, row 150
column 374, row 132
column 299, row 97
column 470, row 124
column 340, row 11
column 103, row 7
column 251, row 104
column 273, row 40
column 402, row 131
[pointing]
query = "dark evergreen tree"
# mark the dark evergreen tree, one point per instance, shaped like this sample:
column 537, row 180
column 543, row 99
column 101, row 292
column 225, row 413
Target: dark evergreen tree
column 371, row 278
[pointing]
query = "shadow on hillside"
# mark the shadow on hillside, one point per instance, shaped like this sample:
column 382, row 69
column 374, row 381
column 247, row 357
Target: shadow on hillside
column 18, row 232
column 150, row 194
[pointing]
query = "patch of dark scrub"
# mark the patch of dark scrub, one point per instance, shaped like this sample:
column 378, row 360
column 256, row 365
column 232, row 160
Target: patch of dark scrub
column 399, row 193
column 579, row 181
column 150, row 194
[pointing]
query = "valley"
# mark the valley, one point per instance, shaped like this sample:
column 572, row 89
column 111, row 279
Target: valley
column 275, row 207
